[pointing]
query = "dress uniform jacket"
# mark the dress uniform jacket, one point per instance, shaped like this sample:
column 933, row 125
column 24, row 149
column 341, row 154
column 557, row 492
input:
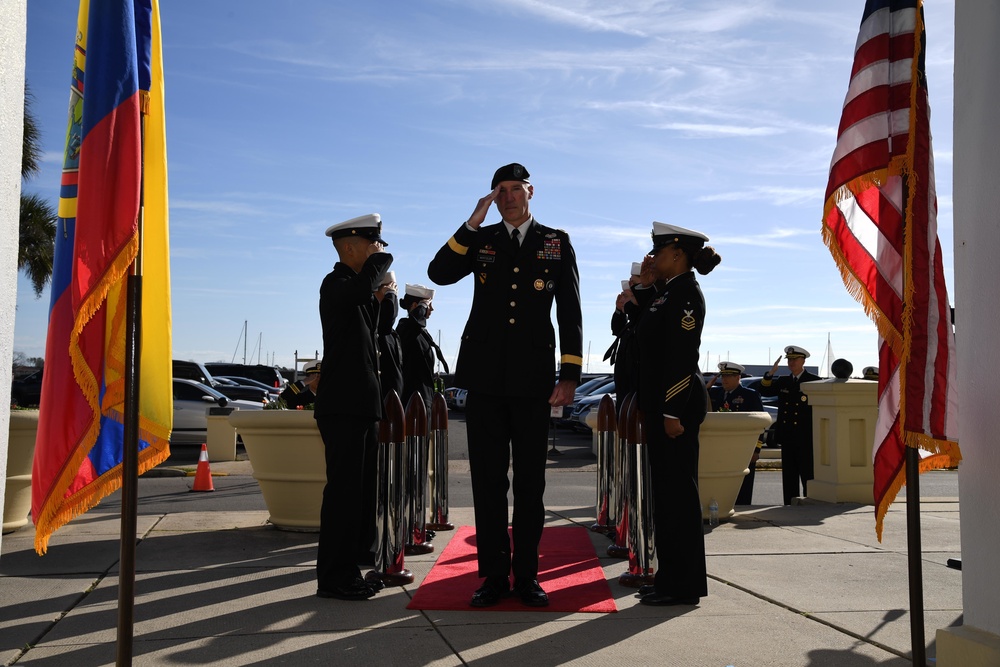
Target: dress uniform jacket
column 297, row 394
column 390, row 351
column 508, row 346
column 418, row 368
column 349, row 312
column 622, row 354
column 668, row 339
column 669, row 335
column 741, row 399
column 794, row 423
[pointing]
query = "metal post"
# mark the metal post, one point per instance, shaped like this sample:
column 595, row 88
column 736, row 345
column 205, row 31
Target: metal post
column 913, row 552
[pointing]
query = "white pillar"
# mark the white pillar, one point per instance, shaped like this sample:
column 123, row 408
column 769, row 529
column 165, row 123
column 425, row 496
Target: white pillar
column 977, row 293
column 13, row 26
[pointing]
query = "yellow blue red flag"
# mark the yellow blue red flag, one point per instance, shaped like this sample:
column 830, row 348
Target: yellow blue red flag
column 116, row 125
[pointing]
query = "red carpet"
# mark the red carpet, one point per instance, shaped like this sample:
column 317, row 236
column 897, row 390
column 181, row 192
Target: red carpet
column 568, row 570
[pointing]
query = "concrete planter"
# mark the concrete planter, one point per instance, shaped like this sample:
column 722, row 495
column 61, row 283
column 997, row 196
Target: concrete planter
column 20, row 459
column 726, row 443
column 289, row 463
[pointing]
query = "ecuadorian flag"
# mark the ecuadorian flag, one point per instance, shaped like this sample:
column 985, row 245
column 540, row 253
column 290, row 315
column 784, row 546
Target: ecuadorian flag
column 115, row 126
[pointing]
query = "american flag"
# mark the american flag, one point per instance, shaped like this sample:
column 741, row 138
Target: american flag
column 880, row 224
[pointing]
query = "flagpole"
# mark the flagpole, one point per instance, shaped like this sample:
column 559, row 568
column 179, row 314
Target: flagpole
column 130, row 444
column 913, row 551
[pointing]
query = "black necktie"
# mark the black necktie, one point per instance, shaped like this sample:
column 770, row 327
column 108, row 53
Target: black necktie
column 515, row 240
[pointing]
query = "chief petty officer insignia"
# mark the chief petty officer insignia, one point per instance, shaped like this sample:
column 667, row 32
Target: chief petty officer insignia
column 687, row 322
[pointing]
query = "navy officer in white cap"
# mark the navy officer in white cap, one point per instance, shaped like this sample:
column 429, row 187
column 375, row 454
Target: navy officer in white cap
column 507, row 361
column 671, row 394
column 419, row 351
column 734, row 397
column 297, row 395
column 349, row 406
column 793, row 429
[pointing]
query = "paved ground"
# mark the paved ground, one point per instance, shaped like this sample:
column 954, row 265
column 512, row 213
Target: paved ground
column 805, row 585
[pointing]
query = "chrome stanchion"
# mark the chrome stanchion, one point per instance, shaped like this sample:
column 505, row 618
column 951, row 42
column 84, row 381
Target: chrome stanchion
column 389, row 551
column 620, row 488
column 640, row 543
column 607, row 425
column 439, row 476
column 415, row 447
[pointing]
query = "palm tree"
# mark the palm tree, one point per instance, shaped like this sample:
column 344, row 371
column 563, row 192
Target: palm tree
column 37, row 224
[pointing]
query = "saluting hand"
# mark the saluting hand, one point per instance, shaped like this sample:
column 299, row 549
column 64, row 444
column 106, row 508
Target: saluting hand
column 774, row 369
column 482, row 208
column 646, row 275
column 673, row 427
column 374, row 248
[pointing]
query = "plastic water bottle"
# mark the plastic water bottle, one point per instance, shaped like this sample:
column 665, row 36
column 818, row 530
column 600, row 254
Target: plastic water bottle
column 713, row 513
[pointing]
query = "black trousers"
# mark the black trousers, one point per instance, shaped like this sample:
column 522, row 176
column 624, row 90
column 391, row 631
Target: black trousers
column 347, row 516
column 796, row 467
column 680, row 537
column 745, row 496
column 501, row 430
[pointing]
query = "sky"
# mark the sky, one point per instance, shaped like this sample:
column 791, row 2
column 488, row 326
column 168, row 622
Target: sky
column 287, row 116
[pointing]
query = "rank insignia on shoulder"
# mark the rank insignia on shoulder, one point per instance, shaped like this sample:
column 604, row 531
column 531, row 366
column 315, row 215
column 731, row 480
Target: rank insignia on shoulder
column 688, row 321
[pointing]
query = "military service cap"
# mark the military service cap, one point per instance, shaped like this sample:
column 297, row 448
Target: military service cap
column 796, row 352
column 727, row 367
column 312, row 367
column 364, row 226
column 665, row 234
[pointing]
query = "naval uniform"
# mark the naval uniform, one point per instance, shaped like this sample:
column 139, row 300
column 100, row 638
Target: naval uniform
column 348, row 407
column 740, row 399
column 622, row 353
column 793, row 430
column 670, row 383
column 390, row 351
column 507, row 363
column 297, row 395
column 420, row 352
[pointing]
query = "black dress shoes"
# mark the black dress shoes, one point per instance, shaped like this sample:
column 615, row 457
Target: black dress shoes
column 531, row 593
column 662, row 600
column 355, row 589
column 645, row 590
column 491, row 592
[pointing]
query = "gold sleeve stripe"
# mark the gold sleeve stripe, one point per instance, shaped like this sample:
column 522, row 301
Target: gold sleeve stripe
column 457, row 247
column 572, row 359
column 678, row 388
column 765, row 382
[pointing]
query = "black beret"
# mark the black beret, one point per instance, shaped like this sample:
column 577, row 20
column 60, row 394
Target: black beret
column 510, row 172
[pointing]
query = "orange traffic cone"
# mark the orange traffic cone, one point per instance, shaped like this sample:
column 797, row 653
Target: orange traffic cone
column 203, row 476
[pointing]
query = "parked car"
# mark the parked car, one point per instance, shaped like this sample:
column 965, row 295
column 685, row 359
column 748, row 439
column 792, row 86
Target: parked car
column 250, row 382
column 584, row 389
column 193, row 370
column 27, row 390
column 582, row 408
column 455, row 398
column 191, row 403
column 267, row 375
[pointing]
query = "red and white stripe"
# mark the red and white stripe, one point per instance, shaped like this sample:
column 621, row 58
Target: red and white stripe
column 880, row 223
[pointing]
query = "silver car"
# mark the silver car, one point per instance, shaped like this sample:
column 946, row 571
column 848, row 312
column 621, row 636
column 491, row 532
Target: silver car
column 191, row 403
